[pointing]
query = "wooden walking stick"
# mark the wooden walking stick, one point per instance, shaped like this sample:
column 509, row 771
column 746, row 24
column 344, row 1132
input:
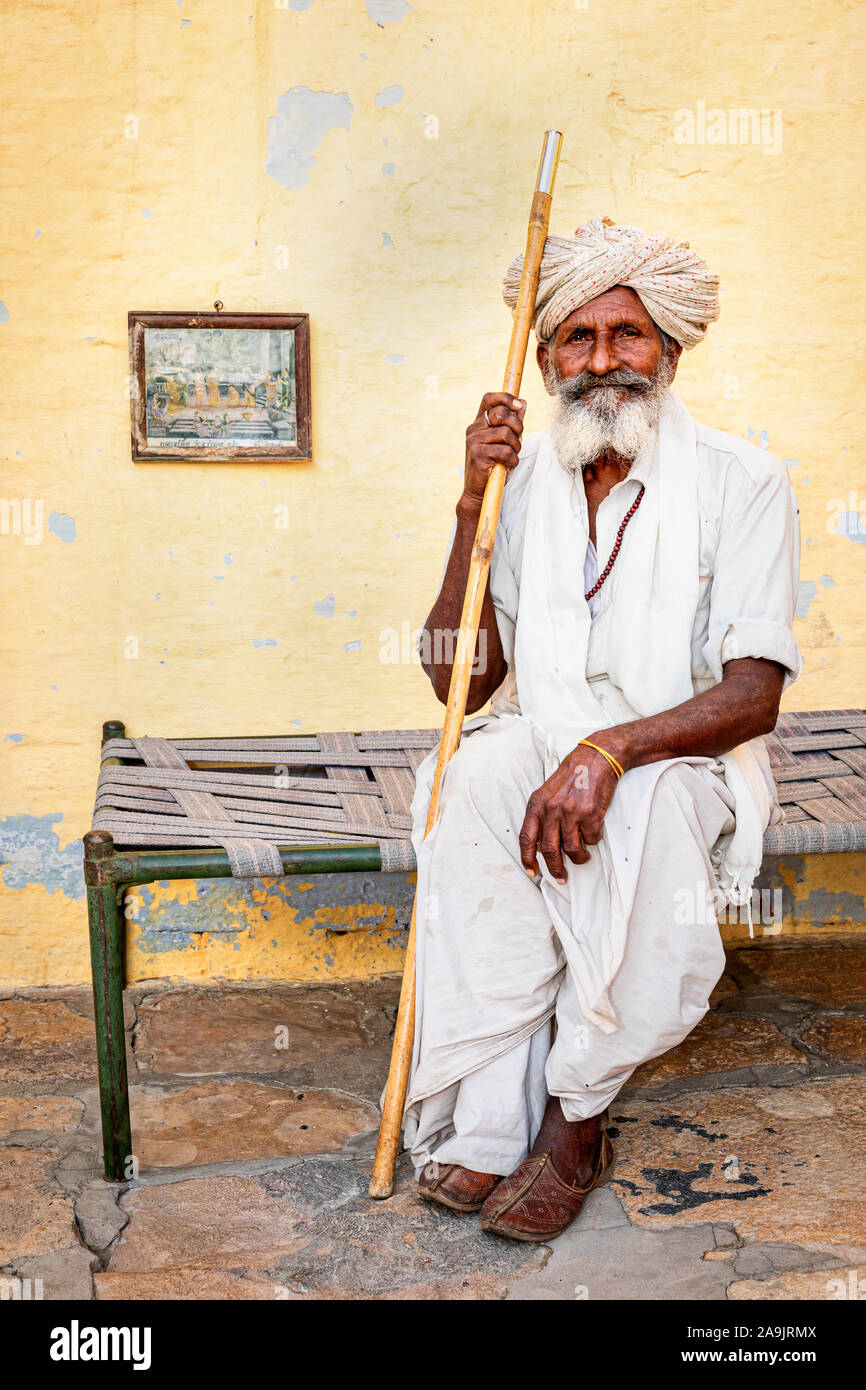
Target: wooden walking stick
column 382, row 1181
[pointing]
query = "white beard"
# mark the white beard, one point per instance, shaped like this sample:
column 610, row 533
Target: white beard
column 600, row 423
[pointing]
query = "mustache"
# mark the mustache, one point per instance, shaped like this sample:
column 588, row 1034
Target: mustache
column 571, row 388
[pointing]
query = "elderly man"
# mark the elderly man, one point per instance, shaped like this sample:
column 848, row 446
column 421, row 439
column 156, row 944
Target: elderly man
column 635, row 640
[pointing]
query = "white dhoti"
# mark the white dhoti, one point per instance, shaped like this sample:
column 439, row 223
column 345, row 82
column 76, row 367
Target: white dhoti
column 499, row 954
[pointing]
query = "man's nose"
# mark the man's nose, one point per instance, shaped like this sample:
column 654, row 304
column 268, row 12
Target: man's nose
column 602, row 358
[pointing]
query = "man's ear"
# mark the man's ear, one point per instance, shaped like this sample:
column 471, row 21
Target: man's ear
column 675, row 354
column 542, row 357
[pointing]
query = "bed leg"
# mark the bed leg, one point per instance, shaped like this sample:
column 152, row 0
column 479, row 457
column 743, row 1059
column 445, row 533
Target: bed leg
column 106, row 959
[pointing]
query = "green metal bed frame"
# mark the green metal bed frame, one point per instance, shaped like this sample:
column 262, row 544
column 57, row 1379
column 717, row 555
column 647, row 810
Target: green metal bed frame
column 108, row 873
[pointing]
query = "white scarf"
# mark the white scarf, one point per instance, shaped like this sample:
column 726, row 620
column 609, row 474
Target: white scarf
column 650, row 646
column 649, row 660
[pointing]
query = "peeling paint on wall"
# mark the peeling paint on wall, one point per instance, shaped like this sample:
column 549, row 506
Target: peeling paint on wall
column 387, row 11
column 390, row 96
column 851, row 527
column 805, row 597
column 339, row 926
column 166, row 924
column 30, row 853
column 303, row 119
column 62, row 526
column 829, row 907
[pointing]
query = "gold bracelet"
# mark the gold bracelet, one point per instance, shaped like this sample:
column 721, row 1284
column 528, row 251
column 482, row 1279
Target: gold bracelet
column 617, row 767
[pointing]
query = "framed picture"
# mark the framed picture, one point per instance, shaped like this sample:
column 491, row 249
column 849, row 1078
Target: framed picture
column 220, row 387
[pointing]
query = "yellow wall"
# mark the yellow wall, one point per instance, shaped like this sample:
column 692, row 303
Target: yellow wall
column 396, row 245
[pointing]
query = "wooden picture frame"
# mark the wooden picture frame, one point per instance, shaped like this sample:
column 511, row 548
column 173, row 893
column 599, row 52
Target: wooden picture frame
column 219, row 399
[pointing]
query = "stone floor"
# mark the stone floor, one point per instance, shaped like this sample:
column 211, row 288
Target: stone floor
column 739, row 1170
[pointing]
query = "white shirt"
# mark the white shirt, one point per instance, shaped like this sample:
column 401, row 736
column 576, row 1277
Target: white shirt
column 748, row 559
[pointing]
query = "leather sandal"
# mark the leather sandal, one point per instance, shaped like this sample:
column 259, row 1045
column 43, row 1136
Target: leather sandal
column 533, row 1202
column 459, row 1189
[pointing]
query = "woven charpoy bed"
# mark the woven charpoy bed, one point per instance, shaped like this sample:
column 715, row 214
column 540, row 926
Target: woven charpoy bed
column 257, row 807
column 251, row 795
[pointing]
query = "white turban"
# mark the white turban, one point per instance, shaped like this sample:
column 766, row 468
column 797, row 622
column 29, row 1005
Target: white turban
column 674, row 285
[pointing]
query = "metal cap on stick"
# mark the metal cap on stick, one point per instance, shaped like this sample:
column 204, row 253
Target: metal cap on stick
column 549, row 161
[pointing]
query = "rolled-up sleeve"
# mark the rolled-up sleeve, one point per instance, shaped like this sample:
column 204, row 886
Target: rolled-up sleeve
column 756, row 577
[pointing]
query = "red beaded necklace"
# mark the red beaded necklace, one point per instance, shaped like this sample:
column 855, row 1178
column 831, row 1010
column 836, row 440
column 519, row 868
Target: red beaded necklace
column 616, row 545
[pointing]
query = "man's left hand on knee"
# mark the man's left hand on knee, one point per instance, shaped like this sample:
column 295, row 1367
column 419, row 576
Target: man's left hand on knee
column 565, row 814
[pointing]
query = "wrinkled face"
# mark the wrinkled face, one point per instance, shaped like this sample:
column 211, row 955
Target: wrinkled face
column 608, row 367
column 611, row 333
